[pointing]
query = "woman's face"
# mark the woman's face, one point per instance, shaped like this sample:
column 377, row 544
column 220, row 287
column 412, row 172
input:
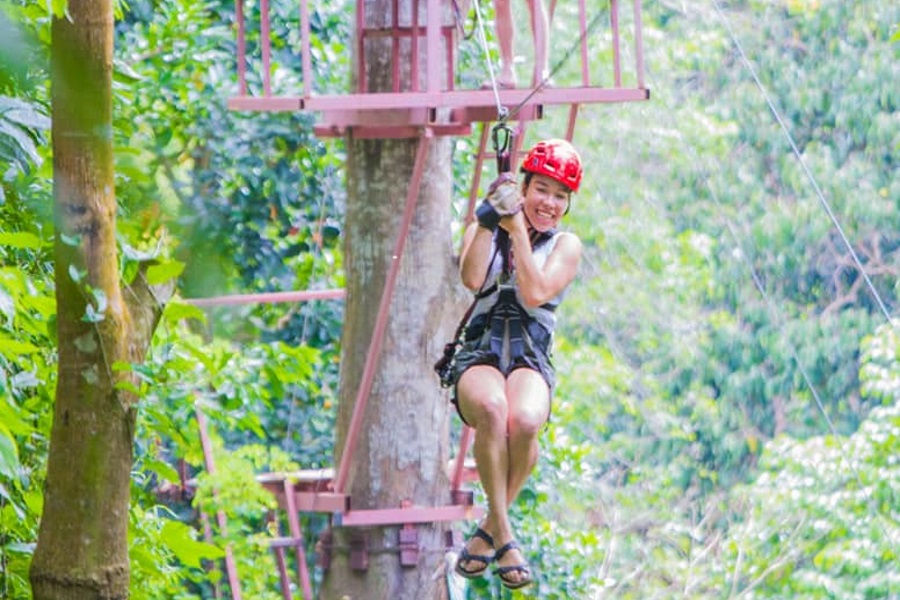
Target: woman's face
column 546, row 201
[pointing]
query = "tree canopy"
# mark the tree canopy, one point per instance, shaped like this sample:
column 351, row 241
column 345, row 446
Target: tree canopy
column 726, row 422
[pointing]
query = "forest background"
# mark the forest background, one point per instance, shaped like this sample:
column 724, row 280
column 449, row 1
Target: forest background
column 727, row 420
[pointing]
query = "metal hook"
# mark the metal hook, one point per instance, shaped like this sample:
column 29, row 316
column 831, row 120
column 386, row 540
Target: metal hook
column 502, row 135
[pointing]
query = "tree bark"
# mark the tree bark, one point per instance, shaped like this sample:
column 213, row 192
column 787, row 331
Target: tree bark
column 402, row 449
column 82, row 549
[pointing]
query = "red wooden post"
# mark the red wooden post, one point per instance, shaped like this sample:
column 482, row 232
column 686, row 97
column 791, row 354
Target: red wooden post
column 297, row 535
column 306, row 59
column 266, row 39
column 414, row 49
column 464, row 439
column 570, row 128
column 361, row 86
column 268, row 297
column 230, row 567
column 638, row 44
column 432, row 45
column 241, row 48
column 476, row 177
column 582, row 19
column 395, row 45
column 614, row 23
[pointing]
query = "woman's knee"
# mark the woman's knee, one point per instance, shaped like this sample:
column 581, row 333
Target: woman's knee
column 488, row 410
column 482, row 398
column 527, row 421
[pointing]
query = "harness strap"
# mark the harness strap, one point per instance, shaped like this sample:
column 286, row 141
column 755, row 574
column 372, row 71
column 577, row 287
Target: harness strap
column 508, row 318
column 504, row 247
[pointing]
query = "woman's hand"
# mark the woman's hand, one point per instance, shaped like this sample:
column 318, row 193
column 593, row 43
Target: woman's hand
column 515, row 223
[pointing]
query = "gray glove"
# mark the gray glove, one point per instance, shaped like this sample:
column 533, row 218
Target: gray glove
column 502, row 200
column 503, row 195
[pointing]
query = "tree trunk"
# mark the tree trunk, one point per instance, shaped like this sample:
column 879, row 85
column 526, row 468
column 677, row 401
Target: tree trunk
column 402, row 449
column 82, row 550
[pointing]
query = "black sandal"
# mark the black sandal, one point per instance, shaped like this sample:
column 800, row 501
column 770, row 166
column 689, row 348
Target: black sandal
column 466, row 556
column 503, row 572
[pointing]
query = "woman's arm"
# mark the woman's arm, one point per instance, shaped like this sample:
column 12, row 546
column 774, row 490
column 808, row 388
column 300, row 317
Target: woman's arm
column 475, row 256
column 538, row 285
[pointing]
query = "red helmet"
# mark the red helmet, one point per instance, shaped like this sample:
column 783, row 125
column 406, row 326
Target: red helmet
column 558, row 160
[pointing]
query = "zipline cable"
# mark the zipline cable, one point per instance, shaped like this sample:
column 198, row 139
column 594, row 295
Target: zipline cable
column 809, row 175
column 776, row 316
column 558, row 65
column 502, row 134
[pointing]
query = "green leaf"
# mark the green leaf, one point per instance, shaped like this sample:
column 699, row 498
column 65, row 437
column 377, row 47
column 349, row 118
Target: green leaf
column 20, row 240
column 10, row 418
column 23, row 113
column 11, row 502
column 9, row 454
column 162, row 469
column 59, row 7
column 11, row 347
column 7, row 305
column 177, row 536
column 75, row 274
column 178, row 311
column 163, row 272
column 24, row 151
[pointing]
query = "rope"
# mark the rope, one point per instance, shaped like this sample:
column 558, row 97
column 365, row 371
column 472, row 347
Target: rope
column 559, row 64
column 501, row 132
column 777, row 319
column 502, row 113
column 809, row 175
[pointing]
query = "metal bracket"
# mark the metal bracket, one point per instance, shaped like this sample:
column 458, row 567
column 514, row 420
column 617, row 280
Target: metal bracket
column 409, row 542
column 453, row 539
column 359, row 551
column 323, row 549
column 463, row 497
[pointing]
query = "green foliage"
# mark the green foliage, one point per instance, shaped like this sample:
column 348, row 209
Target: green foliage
column 822, row 516
column 27, row 378
column 675, row 371
column 880, row 371
column 253, row 199
column 21, row 131
column 685, row 457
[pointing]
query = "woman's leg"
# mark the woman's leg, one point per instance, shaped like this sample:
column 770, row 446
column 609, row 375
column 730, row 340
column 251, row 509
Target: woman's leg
column 529, row 408
column 540, row 32
column 481, row 396
column 503, row 19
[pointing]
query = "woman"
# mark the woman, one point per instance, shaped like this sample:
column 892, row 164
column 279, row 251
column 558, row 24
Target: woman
column 540, row 31
column 519, row 266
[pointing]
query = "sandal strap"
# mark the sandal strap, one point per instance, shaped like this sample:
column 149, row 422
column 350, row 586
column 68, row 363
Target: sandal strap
column 524, row 569
column 468, row 556
column 484, row 535
column 511, row 545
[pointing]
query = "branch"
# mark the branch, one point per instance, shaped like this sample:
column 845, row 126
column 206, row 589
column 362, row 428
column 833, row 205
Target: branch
column 146, row 304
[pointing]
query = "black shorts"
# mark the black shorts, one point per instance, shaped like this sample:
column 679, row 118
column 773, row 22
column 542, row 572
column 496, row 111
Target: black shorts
column 477, row 350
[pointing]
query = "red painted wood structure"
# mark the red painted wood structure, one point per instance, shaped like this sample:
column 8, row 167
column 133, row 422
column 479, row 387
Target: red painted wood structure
column 422, row 105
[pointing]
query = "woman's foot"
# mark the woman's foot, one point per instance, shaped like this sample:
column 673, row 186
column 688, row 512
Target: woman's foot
column 541, row 79
column 512, row 569
column 476, row 555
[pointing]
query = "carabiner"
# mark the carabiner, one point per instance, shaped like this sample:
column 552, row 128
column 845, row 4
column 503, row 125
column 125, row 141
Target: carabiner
column 502, row 135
